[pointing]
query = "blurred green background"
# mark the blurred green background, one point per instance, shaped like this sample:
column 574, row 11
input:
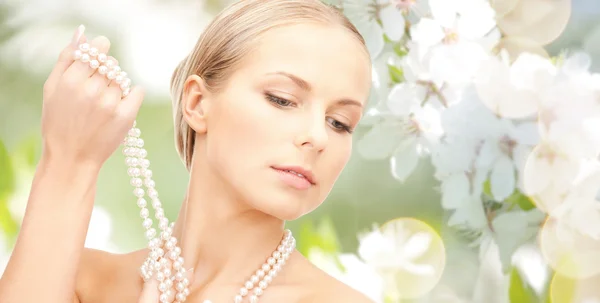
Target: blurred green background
column 149, row 38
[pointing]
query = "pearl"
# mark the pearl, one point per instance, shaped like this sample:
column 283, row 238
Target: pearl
column 186, row 292
column 144, row 213
column 162, row 286
column 268, row 279
column 110, row 64
column 147, row 223
column 238, row 299
column 263, row 284
column 260, row 273
column 180, row 297
column 243, row 291
column 266, row 267
column 138, row 192
column 77, row 54
column 180, row 286
column 93, row 52
column 102, row 57
column 136, row 182
column 141, row 202
column 254, row 279
column 84, row 47
column 164, row 298
column 253, row 299
column 85, row 58
column 111, row 75
column 258, row 291
column 271, row 261
column 150, row 233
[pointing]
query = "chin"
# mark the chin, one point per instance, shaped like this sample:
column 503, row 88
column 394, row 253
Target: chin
column 284, row 206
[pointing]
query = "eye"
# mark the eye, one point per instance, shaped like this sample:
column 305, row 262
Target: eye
column 279, row 101
column 339, row 126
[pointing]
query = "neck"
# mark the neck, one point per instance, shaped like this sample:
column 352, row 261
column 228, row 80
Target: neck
column 221, row 237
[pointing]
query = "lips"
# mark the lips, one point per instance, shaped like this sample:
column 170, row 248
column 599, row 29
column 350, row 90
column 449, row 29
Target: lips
column 298, row 171
column 296, row 177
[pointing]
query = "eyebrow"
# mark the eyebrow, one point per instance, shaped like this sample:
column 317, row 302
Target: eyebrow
column 303, row 84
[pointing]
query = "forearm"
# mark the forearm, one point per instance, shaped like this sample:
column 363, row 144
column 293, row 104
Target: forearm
column 43, row 265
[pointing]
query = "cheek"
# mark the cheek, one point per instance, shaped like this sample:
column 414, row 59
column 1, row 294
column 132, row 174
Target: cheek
column 237, row 134
column 335, row 160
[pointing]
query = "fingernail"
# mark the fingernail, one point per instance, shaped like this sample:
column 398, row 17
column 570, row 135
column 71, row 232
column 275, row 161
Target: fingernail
column 77, row 35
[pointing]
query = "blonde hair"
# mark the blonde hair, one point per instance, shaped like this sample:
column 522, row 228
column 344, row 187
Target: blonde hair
column 228, row 38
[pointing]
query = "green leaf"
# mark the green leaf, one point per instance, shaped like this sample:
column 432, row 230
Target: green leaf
column 523, row 201
column 328, row 237
column 323, row 236
column 487, row 188
column 396, row 74
column 7, row 186
column 519, row 290
column 400, row 50
column 27, row 151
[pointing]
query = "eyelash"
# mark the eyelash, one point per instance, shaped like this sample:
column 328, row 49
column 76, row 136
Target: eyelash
column 341, row 127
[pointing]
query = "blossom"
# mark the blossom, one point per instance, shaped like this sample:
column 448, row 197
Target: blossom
column 365, row 15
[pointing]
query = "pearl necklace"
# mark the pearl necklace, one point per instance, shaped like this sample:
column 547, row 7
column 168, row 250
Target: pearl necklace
column 164, row 261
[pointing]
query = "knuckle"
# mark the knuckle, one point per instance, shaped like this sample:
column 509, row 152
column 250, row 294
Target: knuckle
column 90, row 90
column 65, row 54
column 70, row 82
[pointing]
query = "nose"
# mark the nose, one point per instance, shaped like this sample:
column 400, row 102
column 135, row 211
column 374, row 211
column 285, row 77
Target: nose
column 313, row 135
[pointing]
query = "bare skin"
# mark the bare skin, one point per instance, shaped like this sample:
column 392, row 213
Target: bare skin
column 236, row 205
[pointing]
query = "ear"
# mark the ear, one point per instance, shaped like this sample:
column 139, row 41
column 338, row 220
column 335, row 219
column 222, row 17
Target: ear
column 194, row 103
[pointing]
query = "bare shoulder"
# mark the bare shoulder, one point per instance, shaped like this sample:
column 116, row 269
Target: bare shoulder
column 326, row 288
column 100, row 276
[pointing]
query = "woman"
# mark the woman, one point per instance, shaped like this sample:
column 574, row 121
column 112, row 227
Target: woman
column 264, row 108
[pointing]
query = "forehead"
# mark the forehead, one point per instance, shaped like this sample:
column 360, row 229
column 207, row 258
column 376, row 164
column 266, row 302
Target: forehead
column 329, row 58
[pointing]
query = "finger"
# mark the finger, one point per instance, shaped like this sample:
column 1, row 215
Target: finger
column 111, row 97
column 65, row 59
column 102, row 65
column 80, row 69
column 130, row 105
column 112, row 69
column 150, row 293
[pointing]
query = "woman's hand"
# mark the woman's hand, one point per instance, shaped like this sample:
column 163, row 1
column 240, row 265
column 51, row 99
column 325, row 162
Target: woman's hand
column 84, row 117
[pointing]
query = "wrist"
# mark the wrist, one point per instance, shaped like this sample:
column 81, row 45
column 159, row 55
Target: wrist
column 65, row 168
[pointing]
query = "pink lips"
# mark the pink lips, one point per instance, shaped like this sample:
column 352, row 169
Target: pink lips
column 295, row 177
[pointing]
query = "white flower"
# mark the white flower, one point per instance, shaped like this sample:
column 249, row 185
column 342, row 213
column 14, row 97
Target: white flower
column 452, row 41
column 365, row 15
column 504, row 150
column 580, row 210
column 409, row 133
column 394, row 248
column 512, row 90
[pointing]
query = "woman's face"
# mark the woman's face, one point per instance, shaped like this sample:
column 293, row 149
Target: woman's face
column 291, row 105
